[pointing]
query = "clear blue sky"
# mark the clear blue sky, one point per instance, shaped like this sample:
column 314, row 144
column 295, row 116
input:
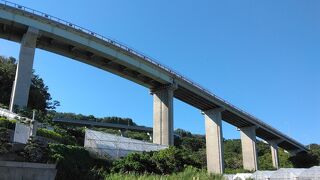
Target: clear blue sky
column 262, row 56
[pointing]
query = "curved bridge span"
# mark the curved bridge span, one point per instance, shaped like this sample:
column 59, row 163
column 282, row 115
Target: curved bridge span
column 34, row 29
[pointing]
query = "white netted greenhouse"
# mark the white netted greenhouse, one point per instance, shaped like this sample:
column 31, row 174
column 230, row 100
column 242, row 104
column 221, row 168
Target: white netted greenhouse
column 242, row 176
column 262, row 175
column 310, row 174
column 104, row 144
column 287, row 173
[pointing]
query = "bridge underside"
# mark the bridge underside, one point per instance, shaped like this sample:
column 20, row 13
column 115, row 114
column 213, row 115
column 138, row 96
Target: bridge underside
column 50, row 42
column 14, row 31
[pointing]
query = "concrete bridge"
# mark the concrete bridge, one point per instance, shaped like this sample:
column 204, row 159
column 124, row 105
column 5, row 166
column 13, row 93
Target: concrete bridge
column 34, row 29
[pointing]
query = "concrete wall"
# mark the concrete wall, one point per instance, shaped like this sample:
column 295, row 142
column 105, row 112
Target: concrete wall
column 10, row 170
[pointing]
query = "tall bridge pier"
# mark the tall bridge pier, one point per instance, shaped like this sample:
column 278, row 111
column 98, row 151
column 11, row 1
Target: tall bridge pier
column 274, row 152
column 249, row 149
column 214, row 140
column 163, row 115
column 21, row 86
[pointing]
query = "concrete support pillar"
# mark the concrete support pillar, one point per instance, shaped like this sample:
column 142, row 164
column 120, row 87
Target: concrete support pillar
column 214, row 141
column 163, row 115
column 249, row 151
column 21, row 86
column 274, row 152
column 274, row 155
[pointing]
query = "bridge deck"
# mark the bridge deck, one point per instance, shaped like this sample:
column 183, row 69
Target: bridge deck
column 72, row 41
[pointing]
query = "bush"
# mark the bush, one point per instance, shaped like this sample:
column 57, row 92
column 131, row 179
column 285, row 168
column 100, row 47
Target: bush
column 304, row 160
column 67, row 138
column 6, row 123
column 49, row 134
column 35, row 151
column 4, row 141
column 169, row 160
column 188, row 173
column 138, row 135
column 162, row 162
column 74, row 162
column 135, row 162
column 58, row 135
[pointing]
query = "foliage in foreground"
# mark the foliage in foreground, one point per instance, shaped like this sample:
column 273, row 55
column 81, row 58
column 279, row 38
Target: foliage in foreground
column 4, row 141
column 188, row 173
column 74, row 162
column 6, row 123
column 166, row 161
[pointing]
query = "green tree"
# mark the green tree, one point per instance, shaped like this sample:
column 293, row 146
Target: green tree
column 39, row 97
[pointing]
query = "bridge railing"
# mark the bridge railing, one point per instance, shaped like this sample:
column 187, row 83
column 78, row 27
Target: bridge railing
column 135, row 52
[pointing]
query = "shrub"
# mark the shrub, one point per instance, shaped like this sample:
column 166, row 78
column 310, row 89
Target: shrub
column 49, row 134
column 169, row 160
column 6, row 123
column 188, row 173
column 162, row 162
column 74, row 162
column 35, row 151
column 304, row 160
column 58, row 135
column 138, row 135
column 135, row 162
column 4, row 141
column 67, row 138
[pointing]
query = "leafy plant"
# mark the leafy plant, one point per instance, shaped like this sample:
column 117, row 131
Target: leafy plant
column 75, row 162
column 8, row 124
column 4, row 141
column 35, row 151
column 39, row 97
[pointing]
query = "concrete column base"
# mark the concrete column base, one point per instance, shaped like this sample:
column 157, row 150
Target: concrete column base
column 21, row 86
column 214, row 141
column 249, row 151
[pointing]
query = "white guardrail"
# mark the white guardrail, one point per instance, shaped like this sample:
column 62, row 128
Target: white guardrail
column 126, row 48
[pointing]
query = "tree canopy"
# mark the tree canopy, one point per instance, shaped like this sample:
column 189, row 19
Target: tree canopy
column 39, row 96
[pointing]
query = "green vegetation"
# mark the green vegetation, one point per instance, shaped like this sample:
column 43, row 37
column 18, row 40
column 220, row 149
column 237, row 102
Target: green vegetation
column 4, row 141
column 116, row 120
column 50, row 134
column 189, row 173
column 35, row 151
column 39, row 97
column 166, row 161
column 6, row 123
column 75, row 161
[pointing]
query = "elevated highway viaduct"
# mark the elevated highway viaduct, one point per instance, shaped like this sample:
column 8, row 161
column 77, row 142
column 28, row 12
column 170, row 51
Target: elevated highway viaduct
column 34, row 29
